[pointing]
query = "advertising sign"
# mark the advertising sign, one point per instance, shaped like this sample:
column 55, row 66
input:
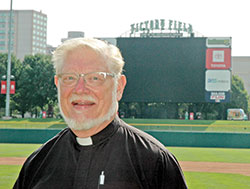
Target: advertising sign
column 4, row 87
column 44, row 114
column 218, row 80
column 218, row 58
column 160, row 28
column 191, row 116
column 218, row 42
column 12, row 87
column 216, row 96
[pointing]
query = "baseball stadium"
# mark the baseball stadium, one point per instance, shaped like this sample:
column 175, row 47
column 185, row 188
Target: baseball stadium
column 175, row 83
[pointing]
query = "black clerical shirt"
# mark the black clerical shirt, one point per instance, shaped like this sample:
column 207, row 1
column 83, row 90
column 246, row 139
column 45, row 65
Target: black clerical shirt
column 120, row 157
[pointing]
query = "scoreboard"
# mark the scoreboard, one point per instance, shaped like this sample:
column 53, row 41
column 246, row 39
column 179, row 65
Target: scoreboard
column 170, row 69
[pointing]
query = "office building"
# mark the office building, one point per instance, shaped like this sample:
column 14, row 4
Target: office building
column 73, row 34
column 29, row 32
column 241, row 68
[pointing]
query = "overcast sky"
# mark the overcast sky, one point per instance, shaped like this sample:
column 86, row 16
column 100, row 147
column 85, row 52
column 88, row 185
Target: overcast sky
column 112, row 18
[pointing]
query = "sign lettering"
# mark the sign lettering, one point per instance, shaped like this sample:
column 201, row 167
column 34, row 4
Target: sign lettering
column 162, row 25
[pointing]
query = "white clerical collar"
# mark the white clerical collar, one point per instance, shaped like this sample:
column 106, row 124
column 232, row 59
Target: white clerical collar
column 84, row 141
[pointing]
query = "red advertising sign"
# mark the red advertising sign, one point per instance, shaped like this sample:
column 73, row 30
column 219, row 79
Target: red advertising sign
column 191, row 116
column 218, row 58
column 4, row 87
column 44, row 114
column 12, row 87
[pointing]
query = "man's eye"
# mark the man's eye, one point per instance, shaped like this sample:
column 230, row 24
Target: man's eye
column 95, row 78
column 69, row 78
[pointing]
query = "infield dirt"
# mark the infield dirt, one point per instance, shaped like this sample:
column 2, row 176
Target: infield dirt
column 213, row 167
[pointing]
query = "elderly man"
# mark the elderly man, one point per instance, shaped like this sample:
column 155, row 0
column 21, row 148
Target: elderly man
column 98, row 150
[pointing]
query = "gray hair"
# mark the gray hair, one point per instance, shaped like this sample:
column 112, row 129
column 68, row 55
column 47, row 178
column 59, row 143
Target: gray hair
column 111, row 54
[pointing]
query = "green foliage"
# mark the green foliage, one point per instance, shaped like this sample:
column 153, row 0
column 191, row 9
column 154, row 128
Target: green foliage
column 35, row 91
column 210, row 111
column 16, row 66
column 239, row 94
column 35, row 88
column 34, row 83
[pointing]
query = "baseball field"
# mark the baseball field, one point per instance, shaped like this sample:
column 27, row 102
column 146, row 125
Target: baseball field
column 203, row 167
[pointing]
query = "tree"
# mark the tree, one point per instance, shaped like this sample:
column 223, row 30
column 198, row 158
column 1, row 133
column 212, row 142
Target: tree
column 239, row 99
column 239, row 94
column 16, row 66
column 35, row 88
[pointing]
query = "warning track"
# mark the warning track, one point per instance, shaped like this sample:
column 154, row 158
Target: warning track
column 213, row 167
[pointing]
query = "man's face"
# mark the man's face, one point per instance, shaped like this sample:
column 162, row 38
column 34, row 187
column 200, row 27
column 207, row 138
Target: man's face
column 83, row 103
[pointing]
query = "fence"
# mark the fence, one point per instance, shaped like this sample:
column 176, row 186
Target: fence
column 168, row 138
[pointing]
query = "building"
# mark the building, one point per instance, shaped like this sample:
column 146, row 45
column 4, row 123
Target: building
column 73, row 34
column 50, row 49
column 241, row 68
column 29, row 32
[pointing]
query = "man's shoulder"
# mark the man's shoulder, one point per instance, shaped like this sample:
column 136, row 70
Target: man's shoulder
column 40, row 153
column 139, row 137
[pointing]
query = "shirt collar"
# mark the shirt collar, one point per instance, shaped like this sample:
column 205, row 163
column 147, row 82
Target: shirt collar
column 99, row 137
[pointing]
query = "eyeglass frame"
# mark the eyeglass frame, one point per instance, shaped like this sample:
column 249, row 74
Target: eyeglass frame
column 113, row 75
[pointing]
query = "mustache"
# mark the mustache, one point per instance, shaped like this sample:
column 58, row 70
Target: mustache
column 82, row 98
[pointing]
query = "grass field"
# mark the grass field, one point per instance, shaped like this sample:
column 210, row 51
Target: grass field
column 8, row 173
column 144, row 124
column 227, row 155
column 196, row 180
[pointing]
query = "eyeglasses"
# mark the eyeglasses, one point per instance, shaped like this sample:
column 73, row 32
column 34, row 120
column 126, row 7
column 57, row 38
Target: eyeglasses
column 92, row 79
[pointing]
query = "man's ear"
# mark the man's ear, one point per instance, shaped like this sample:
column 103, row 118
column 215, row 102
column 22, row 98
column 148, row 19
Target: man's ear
column 121, row 85
column 56, row 80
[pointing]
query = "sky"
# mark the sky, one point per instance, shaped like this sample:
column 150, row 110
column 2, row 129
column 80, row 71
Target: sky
column 112, row 18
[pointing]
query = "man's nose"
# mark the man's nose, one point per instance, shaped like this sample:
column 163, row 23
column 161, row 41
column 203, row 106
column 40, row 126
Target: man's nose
column 81, row 86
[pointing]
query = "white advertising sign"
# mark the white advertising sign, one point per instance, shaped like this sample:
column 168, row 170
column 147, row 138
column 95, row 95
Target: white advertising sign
column 218, row 80
column 219, row 42
column 218, row 56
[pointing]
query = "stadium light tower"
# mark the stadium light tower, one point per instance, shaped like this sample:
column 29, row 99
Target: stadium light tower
column 7, row 106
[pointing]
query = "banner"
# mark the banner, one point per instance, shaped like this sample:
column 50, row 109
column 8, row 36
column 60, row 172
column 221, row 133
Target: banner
column 12, row 87
column 4, row 87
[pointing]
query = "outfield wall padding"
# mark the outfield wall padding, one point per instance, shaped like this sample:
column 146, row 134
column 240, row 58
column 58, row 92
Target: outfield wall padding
column 38, row 136
column 168, row 138
column 203, row 139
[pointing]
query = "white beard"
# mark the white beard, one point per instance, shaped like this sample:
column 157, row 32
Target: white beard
column 85, row 123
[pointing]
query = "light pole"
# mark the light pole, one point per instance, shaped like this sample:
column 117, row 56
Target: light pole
column 7, row 106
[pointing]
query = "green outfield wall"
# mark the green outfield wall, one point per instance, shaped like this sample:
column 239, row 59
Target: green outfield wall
column 168, row 138
column 27, row 135
column 203, row 139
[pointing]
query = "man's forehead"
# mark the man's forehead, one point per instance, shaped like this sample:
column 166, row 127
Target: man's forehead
column 83, row 52
column 82, row 58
